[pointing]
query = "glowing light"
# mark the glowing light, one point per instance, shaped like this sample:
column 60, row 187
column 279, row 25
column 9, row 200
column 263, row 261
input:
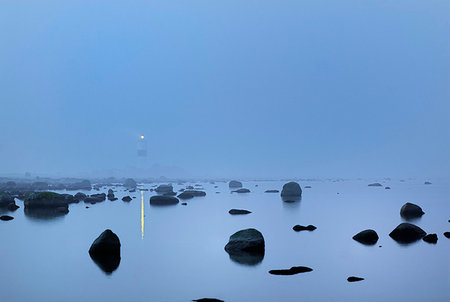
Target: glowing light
column 142, row 215
column 142, row 137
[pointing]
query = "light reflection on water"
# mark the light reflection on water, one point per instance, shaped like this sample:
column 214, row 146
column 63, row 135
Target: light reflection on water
column 142, row 215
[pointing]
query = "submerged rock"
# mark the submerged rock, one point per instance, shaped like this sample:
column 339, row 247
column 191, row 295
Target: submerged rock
column 367, row 237
column 407, row 233
column 243, row 190
column 238, row 212
column 126, row 198
column 105, row 251
column 272, row 191
column 162, row 200
column 291, row 189
column 447, row 234
column 308, row 187
column 427, row 183
column 375, row 185
column 6, row 218
column 235, row 184
column 387, row 188
column 430, row 238
column 354, row 279
column 208, row 300
column 299, row 228
column 292, row 271
column 246, row 247
column 411, row 211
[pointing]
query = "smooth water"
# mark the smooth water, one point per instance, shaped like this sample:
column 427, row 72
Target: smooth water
column 176, row 253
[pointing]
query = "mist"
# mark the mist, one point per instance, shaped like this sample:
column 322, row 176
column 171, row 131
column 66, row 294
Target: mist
column 225, row 89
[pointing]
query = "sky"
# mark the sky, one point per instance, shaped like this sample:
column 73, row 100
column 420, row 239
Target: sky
column 230, row 88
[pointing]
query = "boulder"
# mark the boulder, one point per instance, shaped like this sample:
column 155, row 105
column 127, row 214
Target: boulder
column 170, row 194
column 243, row 190
column 367, row 237
column 430, row 238
column 411, row 211
column 79, row 196
column 407, row 233
column 427, row 183
column 291, row 189
column 94, row 198
column 246, row 247
column 447, row 234
column 6, row 218
column 105, row 251
column 299, row 228
column 387, row 188
column 6, row 199
column 46, row 200
column 12, row 206
column 354, row 279
column 292, row 271
column 162, row 200
column 375, row 185
column 208, row 300
column 235, row 184
column 185, row 195
column 126, row 198
column 272, row 191
column 195, row 193
column 238, row 212
column 161, row 189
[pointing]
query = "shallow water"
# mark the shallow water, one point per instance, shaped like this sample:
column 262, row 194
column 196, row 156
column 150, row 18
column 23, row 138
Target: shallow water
column 176, row 253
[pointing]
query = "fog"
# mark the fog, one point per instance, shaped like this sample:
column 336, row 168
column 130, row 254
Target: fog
column 225, row 88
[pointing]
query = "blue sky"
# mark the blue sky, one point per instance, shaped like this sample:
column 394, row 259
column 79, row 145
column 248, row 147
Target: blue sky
column 227, row 88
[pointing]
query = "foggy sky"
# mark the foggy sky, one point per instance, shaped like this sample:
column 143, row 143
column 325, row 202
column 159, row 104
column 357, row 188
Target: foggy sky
column 226, row 88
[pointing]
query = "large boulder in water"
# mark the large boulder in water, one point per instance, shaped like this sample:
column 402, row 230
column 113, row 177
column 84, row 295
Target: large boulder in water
column 367, row 237
column 161, row 200
column 6, row 199
column 291, row 189
column 246, row 247
column 162, row 189
column 407, row 233
column 46, row 200
column 105, row 251
column 94, row 198
column 235, row 184
column 411, row 211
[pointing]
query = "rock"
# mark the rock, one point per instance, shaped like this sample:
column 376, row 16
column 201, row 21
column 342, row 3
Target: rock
column 94, row 198
column 242, row 191
column 184, row 203
column 411, row 211
column 162, row 200
column 271, row 191
column 292, row 271
column 208, row 300
column 430, row 238
column 45, row 200
column 130, row 183
column 185, row 195
column 12, row 207
column 169, row 194
column 6, row 199
column 189, row 188
column 407, row 233
column 161, row 189
column 238, row 212
column 235, row 184
column 246, row 247
column 354, row 279
column 132, row 190
column 105, row 251
column 308, row 187
column 110, row 195
column 367, row 237
column 427, row 183
column 291, row 189
column 375, row 185
column 126, row 198
column 299, row 228
column 69, row 198
column 447, row 234
column 387, row 188
column 195, row 193
column 6, row 218
column 79, row 196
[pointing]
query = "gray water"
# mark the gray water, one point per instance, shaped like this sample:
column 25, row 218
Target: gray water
column 176, row 253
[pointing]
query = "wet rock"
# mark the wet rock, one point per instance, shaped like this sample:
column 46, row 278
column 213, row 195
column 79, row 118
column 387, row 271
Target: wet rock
column 208, row 300
column 308, row 187
column 299, row 228
column 105, row 251
column 407, row 233
column 411, row 211
column 161, row 189
column 246, row 247
column 292, row 271
column 243, row 190
column 46, row 200
column 447, row 234
column 184, row 203
column 126, row 198
column 12, row 207
column 169, row 194
column 375, row 185
column 79, row 196
column 195, row 193
column 189, row 188
column 430, row 238
column 94, row 198
column 354, row 279
column 6, row 218
column 185, row 195
column 291, row 189
column 427, row 183
column 272, row 191
column 238, row 212
column 367, row 237
column 6, row 199
column 387, row 188
column 235, row 184
column 162, row 200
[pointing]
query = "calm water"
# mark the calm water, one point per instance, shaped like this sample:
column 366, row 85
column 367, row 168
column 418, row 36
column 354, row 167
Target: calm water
column 176, row 253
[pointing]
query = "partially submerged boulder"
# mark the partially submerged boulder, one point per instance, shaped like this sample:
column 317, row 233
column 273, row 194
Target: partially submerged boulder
column 127, row 198
column 235, row 184
column 105, row 251
column 6, row 199
column 246, row 247
column 238, row 212
column 430, row 238
column 243, row 190
column 411, row 211
column 291, row 189
column 94, row 198
column 354, row 279
column 46, row 200
column 367, row 237
column 376, row 184
column 272, row 191
column 6, row 218
column 292, row 271
column 162, row 200
column 299, row 228
column 407, row 233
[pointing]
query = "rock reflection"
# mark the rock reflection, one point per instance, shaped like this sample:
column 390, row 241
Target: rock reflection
column 107, row 263
column 44, row 214
column 247, row 258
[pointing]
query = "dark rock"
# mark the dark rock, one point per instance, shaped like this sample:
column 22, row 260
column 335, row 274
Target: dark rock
column 375, row 185
column 308, row 187
column 189, row 188
column 387, row 188
column 79, row 196
column 163, row 200
column 246, row 247
column 184, row 203
column 272, row 191
column 291, row 189
column 407, row 233
column 105, row 251
column 195, row 193
column 238, row 212
column 447, row 234
column 292, row 271
column 235, row 184
column 94, row 198
column 185, row 195
column 427, row 183
column 242, row 191
column 12, row 207
column 169, row 194
column 208, row 300
column 69, row 198
column 161, row 189
column 132, row 190
column 367, row 237
column 411, row 211
column 430, row 238
column 354, row 279
column 299, row 228
column 126, row 198
column 6, row 199
column 43, row 200
column 6, row 218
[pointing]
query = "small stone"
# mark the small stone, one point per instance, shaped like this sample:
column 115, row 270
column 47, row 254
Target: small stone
column 430, row 238
column 6, row 218
column 354, row 279
column 299, row 228
column 292, row 271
